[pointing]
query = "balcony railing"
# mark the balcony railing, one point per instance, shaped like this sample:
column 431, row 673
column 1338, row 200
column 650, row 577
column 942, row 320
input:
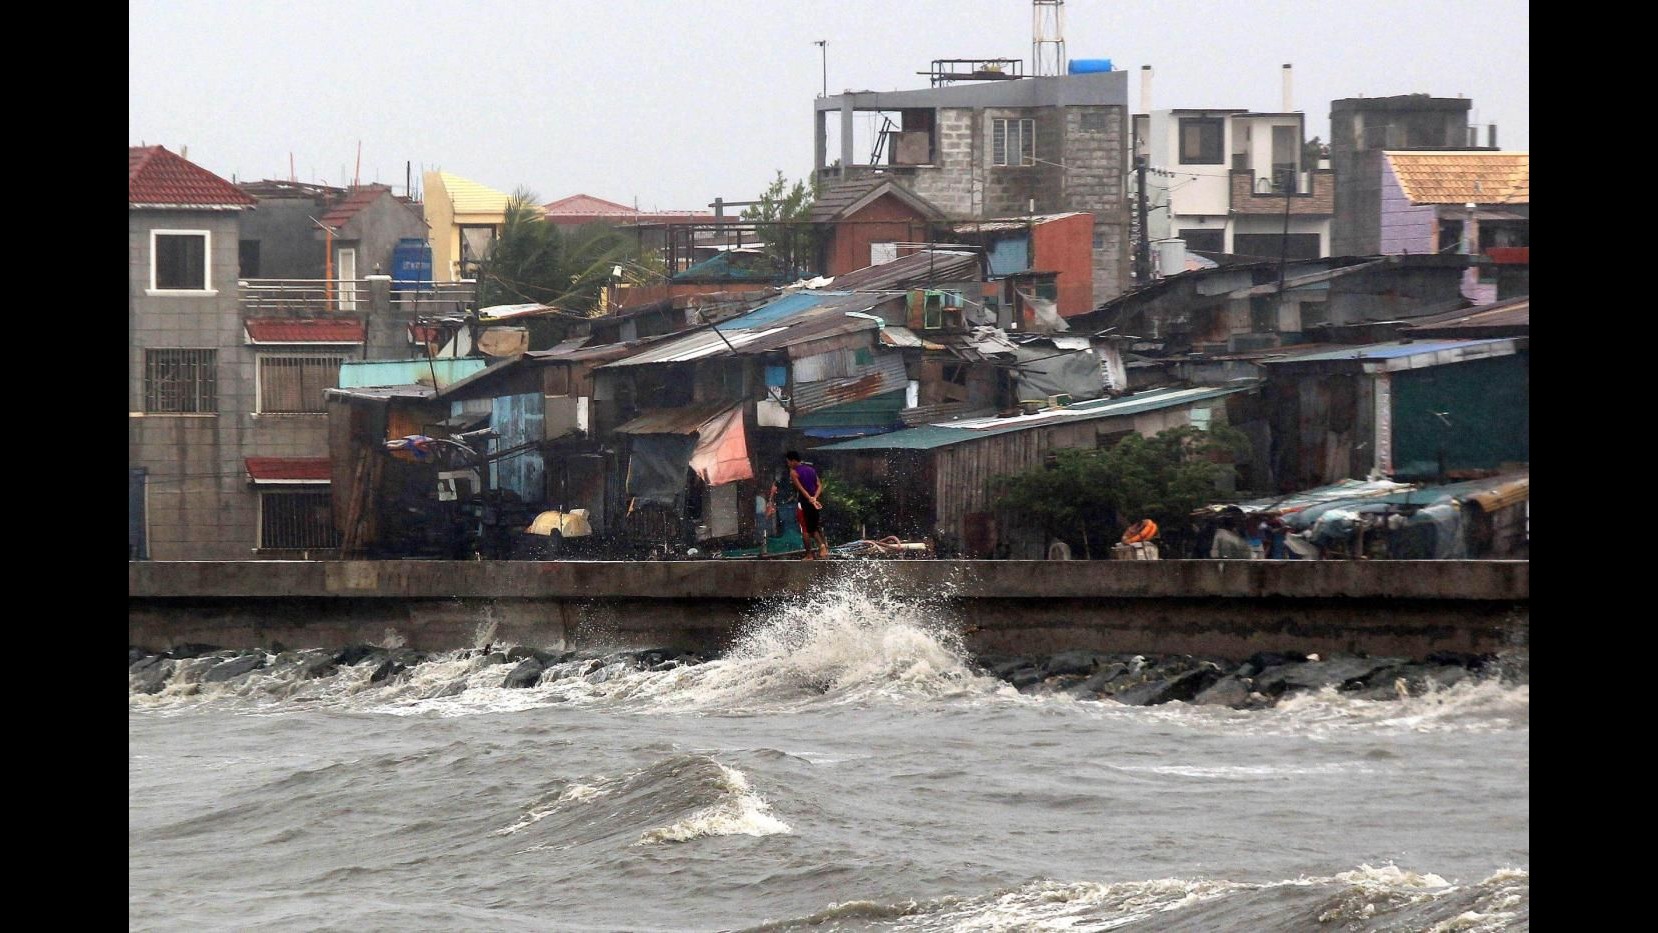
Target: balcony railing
column 321, row 297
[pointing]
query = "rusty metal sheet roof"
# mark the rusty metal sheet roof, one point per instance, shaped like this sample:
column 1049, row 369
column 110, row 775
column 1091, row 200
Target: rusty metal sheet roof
column 686, row 420
column 1513, row 313
column 917, row 270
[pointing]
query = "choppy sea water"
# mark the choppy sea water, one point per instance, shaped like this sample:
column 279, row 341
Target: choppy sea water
column 842, row 767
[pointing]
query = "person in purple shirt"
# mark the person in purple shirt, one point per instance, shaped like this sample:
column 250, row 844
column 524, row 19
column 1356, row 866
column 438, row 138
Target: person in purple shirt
column 809, row 510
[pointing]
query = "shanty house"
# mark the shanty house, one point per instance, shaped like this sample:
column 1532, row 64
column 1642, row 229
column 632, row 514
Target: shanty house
column 1412, row 409
column 714, row 409
column 941, row 476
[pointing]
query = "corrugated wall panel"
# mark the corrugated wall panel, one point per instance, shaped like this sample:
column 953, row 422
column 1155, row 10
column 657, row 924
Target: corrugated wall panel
column 884, row 374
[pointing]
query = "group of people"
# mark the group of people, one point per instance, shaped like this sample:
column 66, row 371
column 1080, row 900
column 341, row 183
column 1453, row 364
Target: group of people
column 800, row 483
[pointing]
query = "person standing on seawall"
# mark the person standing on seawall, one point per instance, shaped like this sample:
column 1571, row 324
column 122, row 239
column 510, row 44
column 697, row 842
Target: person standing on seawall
column 809, row 510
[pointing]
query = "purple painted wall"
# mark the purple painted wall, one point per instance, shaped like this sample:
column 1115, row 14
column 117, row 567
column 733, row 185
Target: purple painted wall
column 1406, row 227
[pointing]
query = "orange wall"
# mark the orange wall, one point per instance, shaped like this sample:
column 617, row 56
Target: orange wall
column 886, row 219
column 1066, row 246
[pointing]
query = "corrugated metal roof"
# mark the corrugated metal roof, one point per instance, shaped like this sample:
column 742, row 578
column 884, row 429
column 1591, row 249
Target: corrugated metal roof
column 1461, row 177
column 786, row 306
column 1393, row 350
column 288, row 469
column 1513, row 313
column 894, row 336
column 383, row 393
column 816, row 315
column 315, row 330
column 157, row 177
column 1013, row 223
column 686, row 420
column 918, row 269
column 928, row 437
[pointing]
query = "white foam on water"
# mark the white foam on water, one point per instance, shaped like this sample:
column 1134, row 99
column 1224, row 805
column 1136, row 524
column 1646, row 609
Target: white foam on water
column 541, row 809
column 739, row 811
column 1051, row 905
column 1247, row 772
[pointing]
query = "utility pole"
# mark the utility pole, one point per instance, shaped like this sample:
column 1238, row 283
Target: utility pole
column 824, row 45
column 1142, row 251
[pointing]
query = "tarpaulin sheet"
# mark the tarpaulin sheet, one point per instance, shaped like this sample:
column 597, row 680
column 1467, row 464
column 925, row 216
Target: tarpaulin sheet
column 656, row 471
column 721, row 454
column 1042, row 372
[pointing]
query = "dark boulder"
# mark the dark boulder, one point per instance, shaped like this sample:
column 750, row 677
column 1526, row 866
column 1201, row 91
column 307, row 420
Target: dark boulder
column 234, row 667
column 320, row 665
column 1311, row 675
column 191, row 650
column 1261, row 660
column 519, row 653
column 351, row 655
column 387, row 670
column 1230, row 690
column 1072, row 662
column 526, row 674
column 1179, row 687
column 153, row 678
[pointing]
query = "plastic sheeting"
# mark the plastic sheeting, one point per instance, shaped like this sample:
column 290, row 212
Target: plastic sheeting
column 656, row 471
column 721, row 454
column 1042, row 373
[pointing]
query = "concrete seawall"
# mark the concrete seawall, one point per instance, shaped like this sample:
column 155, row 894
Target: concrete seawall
column 1224, row 609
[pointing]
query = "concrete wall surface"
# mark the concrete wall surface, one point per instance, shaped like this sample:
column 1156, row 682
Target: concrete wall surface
column 1227, row 609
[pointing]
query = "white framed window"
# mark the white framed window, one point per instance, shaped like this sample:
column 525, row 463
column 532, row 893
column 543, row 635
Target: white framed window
column 1012, row 142
column 296, row 519
column 294, row 383
column 181, row 381
column 181, row 262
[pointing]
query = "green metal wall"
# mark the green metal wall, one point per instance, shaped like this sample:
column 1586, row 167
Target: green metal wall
column 1484, row 420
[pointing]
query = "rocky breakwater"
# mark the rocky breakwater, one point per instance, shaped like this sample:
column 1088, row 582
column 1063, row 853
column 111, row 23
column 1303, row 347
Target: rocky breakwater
column 1259, row 682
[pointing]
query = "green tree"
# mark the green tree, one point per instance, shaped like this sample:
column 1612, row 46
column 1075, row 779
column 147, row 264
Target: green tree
column 533, row 261
column 1087, row 498
column 780, row 222
column 850, row 508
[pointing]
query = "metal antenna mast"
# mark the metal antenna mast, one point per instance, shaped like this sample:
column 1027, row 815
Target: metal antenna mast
column 1047, row 47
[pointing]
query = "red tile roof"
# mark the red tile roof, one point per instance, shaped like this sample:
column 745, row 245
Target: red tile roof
column 585, row 207
column 315, row 330
column 278, row 469
column 158, row 178
column 340, row 214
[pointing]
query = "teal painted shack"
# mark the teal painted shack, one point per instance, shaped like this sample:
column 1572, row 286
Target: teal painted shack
column 1409, row 410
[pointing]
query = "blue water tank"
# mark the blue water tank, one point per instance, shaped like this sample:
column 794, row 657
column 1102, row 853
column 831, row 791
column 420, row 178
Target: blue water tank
column 411, row 265
column 1088, row 66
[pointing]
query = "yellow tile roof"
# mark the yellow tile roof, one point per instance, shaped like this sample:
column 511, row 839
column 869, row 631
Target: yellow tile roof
column 1461, row 177
column 469, row 197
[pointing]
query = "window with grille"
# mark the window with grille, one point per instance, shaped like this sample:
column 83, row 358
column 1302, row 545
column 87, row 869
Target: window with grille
column 1013, row 142
column 297, row 520
column 178, row 260
column 296, row 383
column 180, row 381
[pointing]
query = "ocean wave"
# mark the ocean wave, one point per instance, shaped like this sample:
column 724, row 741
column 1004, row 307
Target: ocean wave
column 676, row 799
column 1363, row 899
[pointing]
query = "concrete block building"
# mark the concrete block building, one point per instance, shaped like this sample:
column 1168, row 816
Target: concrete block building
column 999, row 149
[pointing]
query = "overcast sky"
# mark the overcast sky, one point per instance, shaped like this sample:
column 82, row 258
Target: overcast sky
column 669, row 103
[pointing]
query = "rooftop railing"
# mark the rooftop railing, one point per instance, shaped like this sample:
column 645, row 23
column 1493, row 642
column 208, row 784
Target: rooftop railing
column 322, row 297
